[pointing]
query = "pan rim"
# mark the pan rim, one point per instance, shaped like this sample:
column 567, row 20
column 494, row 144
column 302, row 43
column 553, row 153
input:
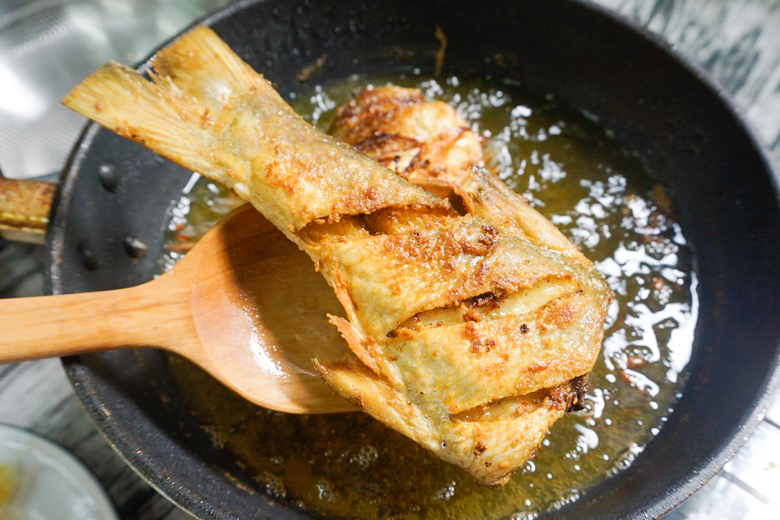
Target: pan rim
column 189, row 500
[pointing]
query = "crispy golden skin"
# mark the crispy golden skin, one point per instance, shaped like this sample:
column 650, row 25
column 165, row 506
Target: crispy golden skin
column 469, row 326
column 425, row 141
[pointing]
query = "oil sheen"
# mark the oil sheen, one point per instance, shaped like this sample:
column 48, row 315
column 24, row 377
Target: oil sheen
column 599, row 194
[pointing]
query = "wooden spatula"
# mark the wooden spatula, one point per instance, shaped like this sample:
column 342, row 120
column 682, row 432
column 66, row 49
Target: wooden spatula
column 245, row 304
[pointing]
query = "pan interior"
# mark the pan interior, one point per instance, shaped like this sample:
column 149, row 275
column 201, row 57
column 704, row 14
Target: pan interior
column 599, row 194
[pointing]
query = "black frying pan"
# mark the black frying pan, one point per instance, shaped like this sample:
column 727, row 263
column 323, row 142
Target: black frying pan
column 685, row 130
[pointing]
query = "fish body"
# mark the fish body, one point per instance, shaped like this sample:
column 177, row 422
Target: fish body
column 471, row 318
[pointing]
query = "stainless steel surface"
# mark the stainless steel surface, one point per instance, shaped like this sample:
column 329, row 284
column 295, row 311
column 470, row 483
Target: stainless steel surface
column 46, row 47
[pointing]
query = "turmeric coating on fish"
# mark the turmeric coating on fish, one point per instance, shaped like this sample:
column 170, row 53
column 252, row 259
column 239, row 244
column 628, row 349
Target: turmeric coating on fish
column 471, row 320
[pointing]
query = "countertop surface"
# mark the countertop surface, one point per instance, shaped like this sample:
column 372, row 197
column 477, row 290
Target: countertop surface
column 736, row 41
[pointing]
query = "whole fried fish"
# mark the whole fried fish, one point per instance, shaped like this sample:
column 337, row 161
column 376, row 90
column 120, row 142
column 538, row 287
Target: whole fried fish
column 471, row 317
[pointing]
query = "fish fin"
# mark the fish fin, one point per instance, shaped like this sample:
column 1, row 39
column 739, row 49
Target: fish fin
column 507, row 433
column 153, row 114
column 485, row 195
column 356, row 341
column 200, row 64
column 377, row 397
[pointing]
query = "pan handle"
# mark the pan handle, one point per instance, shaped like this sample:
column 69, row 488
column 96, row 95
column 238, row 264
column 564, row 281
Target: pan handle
column 24, row 209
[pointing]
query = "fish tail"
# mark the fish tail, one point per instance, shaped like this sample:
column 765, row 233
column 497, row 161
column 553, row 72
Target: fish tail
column 200, row 64
column 155, row 114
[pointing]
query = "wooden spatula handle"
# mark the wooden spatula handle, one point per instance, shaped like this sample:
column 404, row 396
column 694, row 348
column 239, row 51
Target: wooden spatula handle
column 153, row 314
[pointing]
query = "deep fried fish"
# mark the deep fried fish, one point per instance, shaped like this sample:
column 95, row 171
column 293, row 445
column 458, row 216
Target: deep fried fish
column 471, row 317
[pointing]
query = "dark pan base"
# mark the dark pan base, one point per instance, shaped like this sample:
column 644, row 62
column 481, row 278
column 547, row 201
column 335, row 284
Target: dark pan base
column 684, row 129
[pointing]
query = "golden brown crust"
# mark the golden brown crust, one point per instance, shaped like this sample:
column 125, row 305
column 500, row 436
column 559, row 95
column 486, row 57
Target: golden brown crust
column 421, row 140
column 460, row 356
